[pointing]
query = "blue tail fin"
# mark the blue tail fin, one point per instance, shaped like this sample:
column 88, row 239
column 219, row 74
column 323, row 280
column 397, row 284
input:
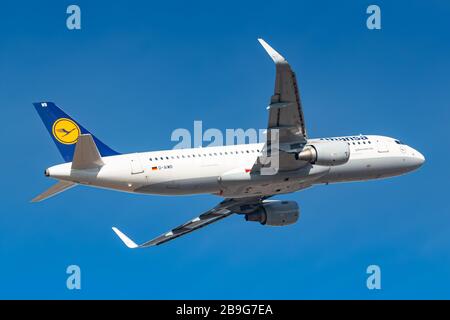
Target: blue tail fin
column 65, row 131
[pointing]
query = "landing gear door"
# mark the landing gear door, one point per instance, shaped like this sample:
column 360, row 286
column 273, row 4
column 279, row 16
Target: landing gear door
column 136, row 165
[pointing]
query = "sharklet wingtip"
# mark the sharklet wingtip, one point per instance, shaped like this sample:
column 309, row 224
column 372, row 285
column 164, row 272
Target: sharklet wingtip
column 127, row 241
column 276, row 57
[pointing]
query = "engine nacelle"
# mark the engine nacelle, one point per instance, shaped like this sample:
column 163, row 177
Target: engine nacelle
column 275, row 213
column 328, row 153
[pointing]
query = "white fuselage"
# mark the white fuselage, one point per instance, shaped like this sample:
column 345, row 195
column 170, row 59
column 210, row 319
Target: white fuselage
column 225, row 170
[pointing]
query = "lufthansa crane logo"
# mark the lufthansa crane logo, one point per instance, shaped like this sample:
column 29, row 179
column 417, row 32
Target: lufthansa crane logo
column 66, row 131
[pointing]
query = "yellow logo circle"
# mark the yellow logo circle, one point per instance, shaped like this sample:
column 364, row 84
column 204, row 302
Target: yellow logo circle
column 66, row 131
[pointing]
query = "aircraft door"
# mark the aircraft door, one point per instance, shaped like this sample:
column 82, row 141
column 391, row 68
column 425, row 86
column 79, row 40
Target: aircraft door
column 136, row 165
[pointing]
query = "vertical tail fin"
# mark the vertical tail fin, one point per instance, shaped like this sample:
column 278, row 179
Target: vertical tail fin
column 65, row 131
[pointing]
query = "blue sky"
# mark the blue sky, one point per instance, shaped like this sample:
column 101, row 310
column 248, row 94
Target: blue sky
column 140, row 69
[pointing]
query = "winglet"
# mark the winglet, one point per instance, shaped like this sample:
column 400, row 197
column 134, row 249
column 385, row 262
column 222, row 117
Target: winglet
column 276, row 57
column 128, row 242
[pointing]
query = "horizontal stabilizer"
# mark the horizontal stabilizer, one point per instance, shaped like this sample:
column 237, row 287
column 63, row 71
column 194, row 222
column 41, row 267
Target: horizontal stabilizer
column 54, row 190
column 86, row 155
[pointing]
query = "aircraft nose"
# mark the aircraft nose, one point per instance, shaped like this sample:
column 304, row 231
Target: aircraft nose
column 418, row 159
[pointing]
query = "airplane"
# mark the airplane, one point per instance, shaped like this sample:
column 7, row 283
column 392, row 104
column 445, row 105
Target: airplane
column 243, row 175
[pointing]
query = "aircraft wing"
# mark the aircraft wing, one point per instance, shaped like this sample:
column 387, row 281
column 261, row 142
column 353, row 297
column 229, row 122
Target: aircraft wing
column 285, row 109
column 222, row 210
column 286, row 125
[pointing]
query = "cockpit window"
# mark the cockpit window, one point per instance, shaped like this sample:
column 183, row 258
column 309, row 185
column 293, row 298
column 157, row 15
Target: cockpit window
column 398, row 142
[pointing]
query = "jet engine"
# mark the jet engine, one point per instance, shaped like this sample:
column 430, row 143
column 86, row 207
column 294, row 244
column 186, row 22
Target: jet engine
column 275, row 213
column 328, row 153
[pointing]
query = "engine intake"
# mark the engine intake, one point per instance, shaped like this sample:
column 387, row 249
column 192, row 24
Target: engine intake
column 329, row 153
column 275, row 213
